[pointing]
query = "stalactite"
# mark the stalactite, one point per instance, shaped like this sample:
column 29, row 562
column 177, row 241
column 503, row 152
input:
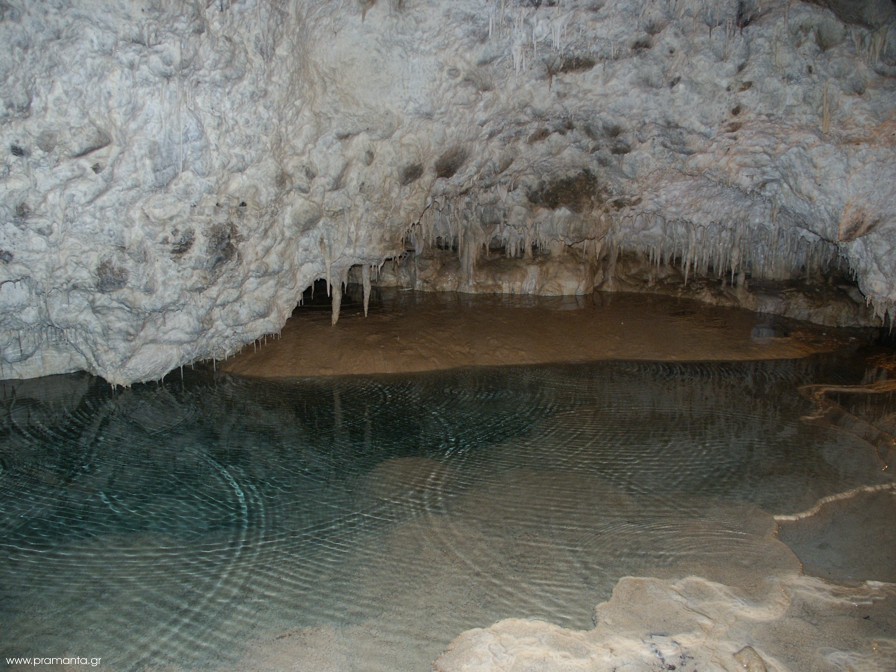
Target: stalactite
column 336, row 297
column 325, row 249
column 336, row 293
column 365, row 282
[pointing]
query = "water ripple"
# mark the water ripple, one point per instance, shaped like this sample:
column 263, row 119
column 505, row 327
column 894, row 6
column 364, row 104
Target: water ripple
column 167, row 526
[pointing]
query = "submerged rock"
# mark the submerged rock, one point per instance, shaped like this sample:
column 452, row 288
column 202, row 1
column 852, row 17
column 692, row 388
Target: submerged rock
column 690, row 625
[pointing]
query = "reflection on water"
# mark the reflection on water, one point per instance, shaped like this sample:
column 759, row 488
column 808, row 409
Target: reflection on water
column 373, row 519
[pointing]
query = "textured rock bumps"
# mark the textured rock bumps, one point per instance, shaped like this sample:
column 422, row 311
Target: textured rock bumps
column 176, row 174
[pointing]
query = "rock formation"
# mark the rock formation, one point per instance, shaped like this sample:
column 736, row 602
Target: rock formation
column 175, row 174
column 688, row 625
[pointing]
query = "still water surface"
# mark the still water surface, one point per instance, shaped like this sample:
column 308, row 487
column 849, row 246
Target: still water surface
column 373, row 519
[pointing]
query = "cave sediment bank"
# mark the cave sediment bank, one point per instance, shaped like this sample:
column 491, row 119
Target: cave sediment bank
column 407, row 331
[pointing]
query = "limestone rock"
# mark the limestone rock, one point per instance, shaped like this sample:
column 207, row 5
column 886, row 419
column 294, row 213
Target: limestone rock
column 174, row 175
column 688, row 625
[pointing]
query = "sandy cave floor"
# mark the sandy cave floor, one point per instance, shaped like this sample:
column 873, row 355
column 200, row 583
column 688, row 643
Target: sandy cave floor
column 412, row 331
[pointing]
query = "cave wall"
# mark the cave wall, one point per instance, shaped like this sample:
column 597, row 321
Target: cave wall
column 175, row 174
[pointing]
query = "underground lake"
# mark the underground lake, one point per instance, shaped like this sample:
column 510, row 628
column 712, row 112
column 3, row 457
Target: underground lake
column 212, row 522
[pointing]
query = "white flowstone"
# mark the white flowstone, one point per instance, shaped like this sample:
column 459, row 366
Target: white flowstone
column 174, row 174
column 692, row 624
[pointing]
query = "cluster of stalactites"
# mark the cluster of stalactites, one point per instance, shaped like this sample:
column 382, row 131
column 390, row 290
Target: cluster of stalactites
column 763, row 252
column 729, row 251
column 473, row 229
column 734, row 248
column 336, row 283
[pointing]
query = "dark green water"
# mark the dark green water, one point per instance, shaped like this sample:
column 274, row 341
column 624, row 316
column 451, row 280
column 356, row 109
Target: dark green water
column 191, row 524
